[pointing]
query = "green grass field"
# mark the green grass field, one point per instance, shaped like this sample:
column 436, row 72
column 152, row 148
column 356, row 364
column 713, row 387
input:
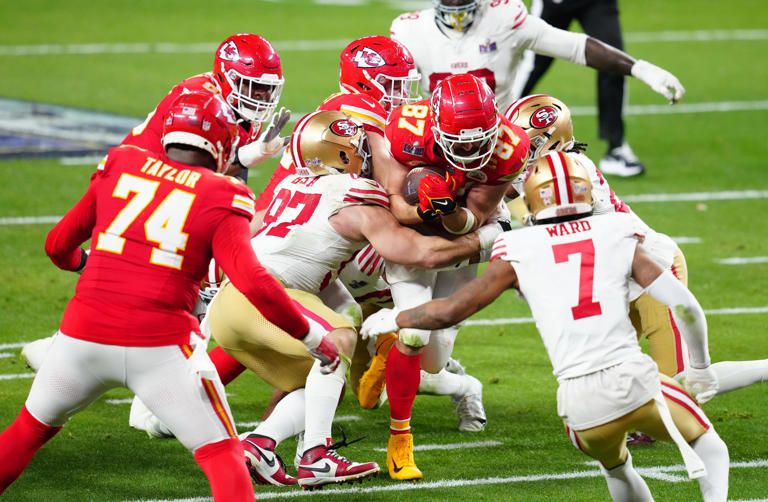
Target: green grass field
column 97, row 457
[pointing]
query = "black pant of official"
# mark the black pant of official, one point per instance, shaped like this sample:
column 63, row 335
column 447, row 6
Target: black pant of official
column 599, row 19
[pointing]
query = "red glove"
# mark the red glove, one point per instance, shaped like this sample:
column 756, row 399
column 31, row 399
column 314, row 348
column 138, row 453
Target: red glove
column 436, row 196
column 328, row 355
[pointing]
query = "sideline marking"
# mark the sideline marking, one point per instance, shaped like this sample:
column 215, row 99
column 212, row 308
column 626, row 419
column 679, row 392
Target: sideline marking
column 657, row 472
column 338, row 44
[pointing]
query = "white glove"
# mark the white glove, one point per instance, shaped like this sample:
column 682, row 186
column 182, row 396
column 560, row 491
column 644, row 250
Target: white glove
column 658, row 79
column 701, row 383
column 380, row 322
column 268, row 144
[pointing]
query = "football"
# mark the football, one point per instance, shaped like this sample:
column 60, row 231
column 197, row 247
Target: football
column 412, row 180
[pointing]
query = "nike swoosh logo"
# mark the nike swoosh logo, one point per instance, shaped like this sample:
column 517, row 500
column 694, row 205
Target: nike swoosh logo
column 327, row 468
column 440, row 203
column 396, row 468
column 270, row 461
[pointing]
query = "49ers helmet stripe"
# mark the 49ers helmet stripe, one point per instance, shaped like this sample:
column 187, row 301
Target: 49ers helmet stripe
column 560, row 178
column 558, row 186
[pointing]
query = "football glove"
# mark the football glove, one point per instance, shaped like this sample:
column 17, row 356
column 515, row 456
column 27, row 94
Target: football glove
column 658, row 79
column 701, row 383
column 383, row 321
column 436, row 196
column 268, row 144
column 328, row 355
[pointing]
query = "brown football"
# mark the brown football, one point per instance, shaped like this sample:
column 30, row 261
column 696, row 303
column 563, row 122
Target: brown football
column 412, row 180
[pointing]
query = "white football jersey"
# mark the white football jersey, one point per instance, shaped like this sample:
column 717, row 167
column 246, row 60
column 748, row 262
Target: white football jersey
column 362, row 276
column 490, row 49
column 575, row 277
column 297, row 243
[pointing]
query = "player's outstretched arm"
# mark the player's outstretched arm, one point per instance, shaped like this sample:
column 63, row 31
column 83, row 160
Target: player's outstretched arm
column 73, row 229
column 497, row 277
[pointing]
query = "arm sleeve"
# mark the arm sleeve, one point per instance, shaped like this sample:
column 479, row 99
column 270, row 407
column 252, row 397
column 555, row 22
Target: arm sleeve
column 687, row 311
column 543, row 38
column 75, row 227
column 232, row 251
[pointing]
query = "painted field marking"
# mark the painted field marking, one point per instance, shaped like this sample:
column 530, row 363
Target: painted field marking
column 17, row 376
column 340, row 418
column 450, row 446
column 742, row 261
column 338, row 44
column 658, row 472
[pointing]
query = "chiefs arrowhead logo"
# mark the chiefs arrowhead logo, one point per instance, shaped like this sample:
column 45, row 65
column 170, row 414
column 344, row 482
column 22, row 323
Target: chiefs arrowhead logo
column 543, row 117
column 229, row 52
column 368, row 58
column 344, row 127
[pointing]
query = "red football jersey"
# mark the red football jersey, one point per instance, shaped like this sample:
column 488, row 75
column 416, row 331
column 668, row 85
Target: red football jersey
column 412, row 143
column 147, row 134
column 361, row 106
column 154, row 227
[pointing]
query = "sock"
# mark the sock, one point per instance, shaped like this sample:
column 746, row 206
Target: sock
column 403, row 374
column 19, row 443
column 734, row 375
column 625, row 484
column 287, row 419
column 714, row 453
column 227, row 366
column 322, row 396
column 443, row 383
column 223, row 464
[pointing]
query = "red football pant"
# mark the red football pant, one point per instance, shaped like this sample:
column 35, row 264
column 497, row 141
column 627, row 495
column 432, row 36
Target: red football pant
column 19, row 443
column 224, row 465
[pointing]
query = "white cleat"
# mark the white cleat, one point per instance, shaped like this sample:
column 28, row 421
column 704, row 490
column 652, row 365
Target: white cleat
column 34, row 352
column 469, row 407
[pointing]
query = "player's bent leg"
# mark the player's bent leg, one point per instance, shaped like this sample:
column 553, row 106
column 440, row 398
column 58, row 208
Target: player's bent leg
column 734, row 375
column 19, row 443
column 372, row 382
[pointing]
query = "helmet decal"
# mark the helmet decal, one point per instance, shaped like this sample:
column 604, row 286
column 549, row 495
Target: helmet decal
column 368, row 58
column 343, row 127
column 229, row 52
column 543, row 117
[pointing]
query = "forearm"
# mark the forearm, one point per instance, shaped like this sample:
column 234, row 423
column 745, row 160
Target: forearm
column 603, row 57
column 432, row 315
column 75, row 227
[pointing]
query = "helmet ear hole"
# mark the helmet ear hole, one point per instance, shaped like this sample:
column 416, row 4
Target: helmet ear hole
column 344, row 158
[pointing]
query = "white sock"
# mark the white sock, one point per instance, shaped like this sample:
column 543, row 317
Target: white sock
column 714, row 453
column 625, row 484
column 287, row 419
column 322, row 396
column 443, row 383
column 734, row 375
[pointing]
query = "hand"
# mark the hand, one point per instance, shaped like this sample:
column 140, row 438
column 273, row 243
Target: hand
column 658, row 79
column 701, row 383
column 328, row 355
column 383, row 321
column 268, row 144
column 436, row 196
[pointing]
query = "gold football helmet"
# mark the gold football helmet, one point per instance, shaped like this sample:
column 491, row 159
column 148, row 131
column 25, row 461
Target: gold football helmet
column 557, row 186
column 546, row 120
column 330, row 142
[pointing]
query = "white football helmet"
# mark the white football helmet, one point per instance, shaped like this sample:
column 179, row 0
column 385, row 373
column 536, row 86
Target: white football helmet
column 456, row 14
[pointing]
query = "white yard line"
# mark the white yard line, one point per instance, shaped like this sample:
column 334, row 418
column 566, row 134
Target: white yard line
column 662, row 473
column 743, row 260
column 450, row 446
column 338, row 44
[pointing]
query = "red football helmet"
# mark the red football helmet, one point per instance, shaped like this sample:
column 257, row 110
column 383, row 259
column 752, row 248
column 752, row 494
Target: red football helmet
column 203, row 120
column 466, row 121
column 249, row 73
column 381, row 68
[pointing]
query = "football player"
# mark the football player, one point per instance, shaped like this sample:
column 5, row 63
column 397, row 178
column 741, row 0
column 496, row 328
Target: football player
column 316, row 221
column 459, row 130
column 247, row 73
column 155, row 223
column 606, row 384
column 548, row 123
column 489, row 38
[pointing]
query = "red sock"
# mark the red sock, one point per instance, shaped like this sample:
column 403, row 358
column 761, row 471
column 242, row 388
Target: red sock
column 224, row 465
column 227, row 366
column 403, row 374
column 19, row 443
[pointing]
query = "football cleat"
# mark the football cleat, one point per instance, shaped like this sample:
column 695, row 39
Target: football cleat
column 264, row 465
column 373, row 380
column 455, row 366
column 34, row 352
column 400, row 460
column 469, row 407
column 621, row 161
column 141, row 418
column 637, row 438
column 299, row 449
column 322, row 465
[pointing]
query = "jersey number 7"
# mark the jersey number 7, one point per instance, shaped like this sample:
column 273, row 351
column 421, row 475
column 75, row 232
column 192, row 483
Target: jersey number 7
column 586, row 307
